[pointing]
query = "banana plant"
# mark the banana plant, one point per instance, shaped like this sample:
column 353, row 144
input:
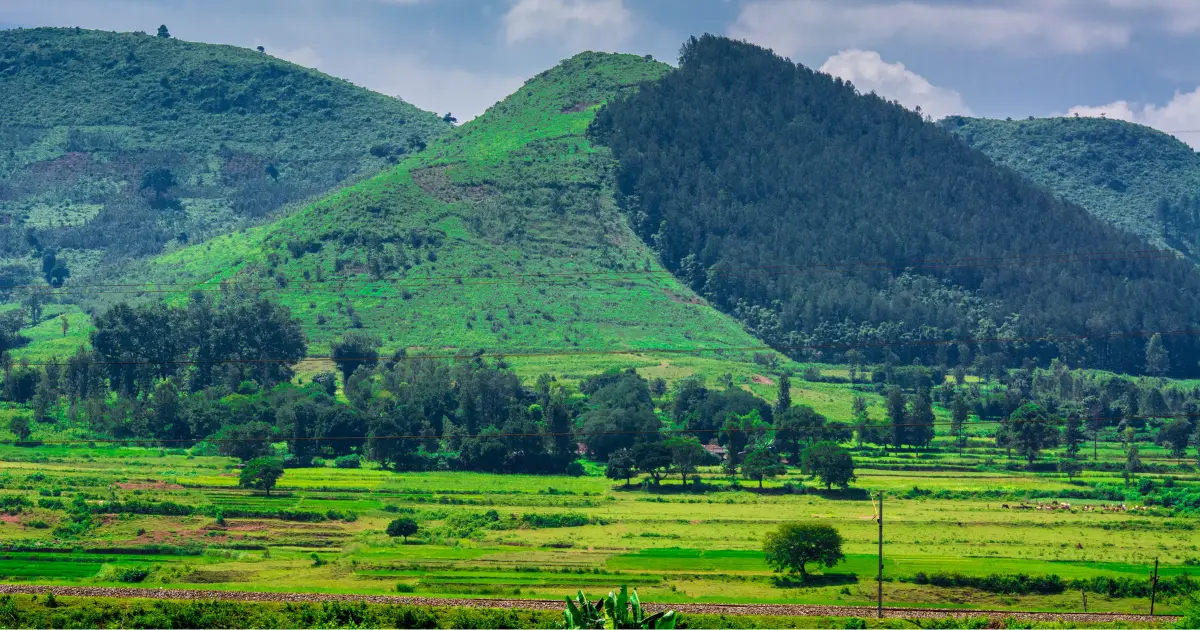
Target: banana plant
column 615, row 612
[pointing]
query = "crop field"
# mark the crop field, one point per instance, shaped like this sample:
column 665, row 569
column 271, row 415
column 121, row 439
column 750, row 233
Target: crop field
column 164, row 518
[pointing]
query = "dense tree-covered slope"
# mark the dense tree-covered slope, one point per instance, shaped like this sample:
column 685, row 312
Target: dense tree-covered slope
column 118, row 145
column 821, row 217
column 503, row 235
column 1135, row 177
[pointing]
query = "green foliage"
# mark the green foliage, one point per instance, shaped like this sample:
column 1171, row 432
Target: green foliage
column 502, row 235
column 895, row 188
column 403, row 527
column 261, row 473
column 793, row 546
column 216, row 136
column 830, row 463
column 1119, row 171
column 623, row 610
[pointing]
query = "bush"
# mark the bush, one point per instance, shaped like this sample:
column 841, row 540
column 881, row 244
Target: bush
column 133, row 575
column 575, row 469
column 348, row 461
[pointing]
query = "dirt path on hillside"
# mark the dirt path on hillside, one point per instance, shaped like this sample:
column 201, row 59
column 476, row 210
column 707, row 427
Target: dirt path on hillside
column 783, row 610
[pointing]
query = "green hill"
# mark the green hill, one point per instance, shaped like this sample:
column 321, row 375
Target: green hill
column 1135, row 177
column 120, row 145
column 502, row 236
column 840, row 226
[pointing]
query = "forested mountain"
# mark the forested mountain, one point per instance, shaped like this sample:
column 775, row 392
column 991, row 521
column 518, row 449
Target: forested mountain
column 821, row 217
column 1135, row 177
column 119, row 145
column 502, row 236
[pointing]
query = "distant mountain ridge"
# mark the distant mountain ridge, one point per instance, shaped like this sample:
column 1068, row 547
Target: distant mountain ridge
column 1133, row 176
column 114, row 146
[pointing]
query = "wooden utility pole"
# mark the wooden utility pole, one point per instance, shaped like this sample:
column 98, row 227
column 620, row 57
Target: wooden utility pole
column 879, row 577
column 1153, row 586
column 1083, row 593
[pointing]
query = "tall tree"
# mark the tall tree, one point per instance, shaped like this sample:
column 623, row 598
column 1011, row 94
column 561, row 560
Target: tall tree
column 783, row 400
column 1033, row 430
column 862, row 418
column 897, row 417
column 1073, row 435
column 762, row 463
column 959, row 413
column 921, row 420
column 1157, row 361
column 355, row 350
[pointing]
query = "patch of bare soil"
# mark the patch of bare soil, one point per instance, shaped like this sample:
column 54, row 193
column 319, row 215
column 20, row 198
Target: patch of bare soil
column 762, row 380
column 436, row 183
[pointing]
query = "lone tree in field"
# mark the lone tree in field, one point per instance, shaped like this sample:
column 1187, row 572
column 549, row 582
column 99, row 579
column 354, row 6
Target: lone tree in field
column 830, row 463
column 261, row 474
column 959, row 413
column 760, row 463
column 795, row 545
column 1069, row 467
column 621, row 465
column 1175, row 436
column 403, row 527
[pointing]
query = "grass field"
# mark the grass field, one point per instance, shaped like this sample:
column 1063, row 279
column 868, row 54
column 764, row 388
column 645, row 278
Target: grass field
column 673, row 545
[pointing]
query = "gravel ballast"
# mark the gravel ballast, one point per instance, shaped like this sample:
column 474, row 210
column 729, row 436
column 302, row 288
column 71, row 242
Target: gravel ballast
column 782, row 610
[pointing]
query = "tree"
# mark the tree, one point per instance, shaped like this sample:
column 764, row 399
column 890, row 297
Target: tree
column 403, row 527
column 652, row 458
column 1176, row 436
column 831, row 463
column 158, row 181
column 19, row 426
column 896, row 416
column 741, row 431
column 959, row 413
column 449, row 118
column 1032, row 430
column 260, row 49
column 784, row 399
column 1073, row 436
column 920, row 420
column 1133, row 463
column 862, row 418
column 793, row 546
column 1158, row 362
column 163, row 32
column 246, row 442
column 64, row 323
column 798, row 427
column 354, row 350
column 760, row 463
column 686, row 454
column 261, row 473
column 621, row 465
column 1069, row 467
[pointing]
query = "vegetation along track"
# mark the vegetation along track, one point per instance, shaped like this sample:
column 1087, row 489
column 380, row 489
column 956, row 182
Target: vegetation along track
column 774, row 610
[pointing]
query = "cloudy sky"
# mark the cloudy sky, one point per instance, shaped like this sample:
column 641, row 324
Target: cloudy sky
column 1130, row 59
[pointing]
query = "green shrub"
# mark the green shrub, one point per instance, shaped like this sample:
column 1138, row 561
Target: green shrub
column 348, row 461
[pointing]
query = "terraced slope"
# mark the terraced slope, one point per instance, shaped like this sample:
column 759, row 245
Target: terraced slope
column 503, row 236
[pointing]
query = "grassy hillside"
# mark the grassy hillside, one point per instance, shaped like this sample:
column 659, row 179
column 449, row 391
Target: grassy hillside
column 845, row 227
column 89, row 116
column 1119, row 171
column 502, row 236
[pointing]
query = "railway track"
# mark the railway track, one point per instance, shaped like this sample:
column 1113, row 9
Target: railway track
column 784, row 610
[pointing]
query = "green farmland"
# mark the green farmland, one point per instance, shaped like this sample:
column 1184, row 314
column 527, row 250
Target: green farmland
column 540, row 537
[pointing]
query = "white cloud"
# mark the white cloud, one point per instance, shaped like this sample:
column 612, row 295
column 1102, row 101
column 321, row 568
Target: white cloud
column 790, row 26
column 1180, row 114
column 580, row 23
column 1177, row 16
column 870, row 73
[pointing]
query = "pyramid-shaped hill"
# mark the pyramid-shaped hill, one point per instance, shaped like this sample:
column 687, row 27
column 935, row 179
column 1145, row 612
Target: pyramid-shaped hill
column 502, row 236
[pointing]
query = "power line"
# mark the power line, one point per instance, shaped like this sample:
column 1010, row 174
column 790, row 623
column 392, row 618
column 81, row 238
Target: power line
column 715, row 349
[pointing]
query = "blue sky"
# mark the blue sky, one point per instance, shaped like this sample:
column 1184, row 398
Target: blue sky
column 1130, row 59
